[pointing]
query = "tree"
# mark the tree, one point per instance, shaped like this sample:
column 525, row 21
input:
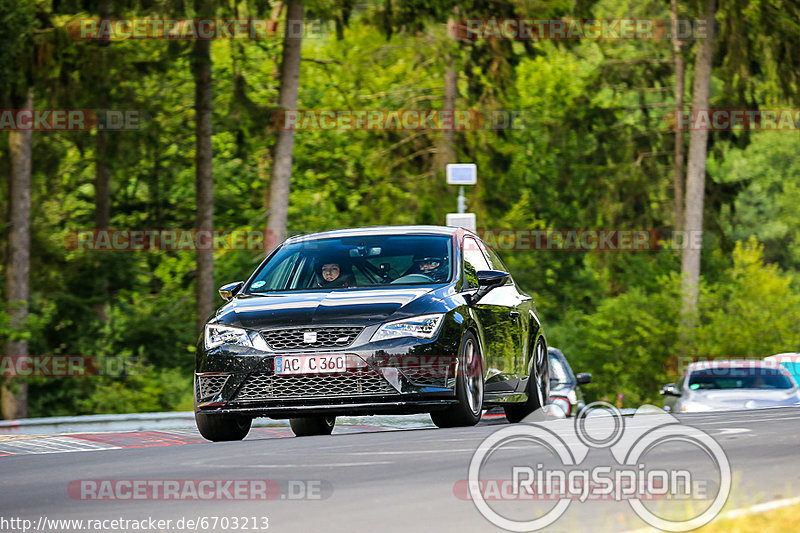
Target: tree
column 16, row 90
column 446, row 152
column 680, row 77
column 14, row 395
column 102, row 178
column 284, row 147
column 696, row 176
column 204, row 176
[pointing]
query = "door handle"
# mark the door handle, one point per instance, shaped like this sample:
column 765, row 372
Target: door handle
column 514, row 315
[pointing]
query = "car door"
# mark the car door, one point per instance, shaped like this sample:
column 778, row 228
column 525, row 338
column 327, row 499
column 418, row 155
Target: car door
column 518, row 306
column 496, row 323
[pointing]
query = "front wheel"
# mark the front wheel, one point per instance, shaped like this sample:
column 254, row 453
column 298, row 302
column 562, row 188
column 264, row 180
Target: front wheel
column 219, row 428
column 469, row 388
column 538, row 386
column 312, row 425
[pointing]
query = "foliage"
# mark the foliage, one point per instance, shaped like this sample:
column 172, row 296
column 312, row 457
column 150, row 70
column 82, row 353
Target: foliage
column 630, row 343
column 592, row 151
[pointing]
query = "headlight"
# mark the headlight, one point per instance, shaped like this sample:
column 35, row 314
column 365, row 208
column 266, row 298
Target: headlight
column 423, row 327
column 217, row 335
column 694, row 407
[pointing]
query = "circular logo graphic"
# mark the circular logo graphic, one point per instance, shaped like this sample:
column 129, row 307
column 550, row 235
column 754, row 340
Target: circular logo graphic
column 601, row 426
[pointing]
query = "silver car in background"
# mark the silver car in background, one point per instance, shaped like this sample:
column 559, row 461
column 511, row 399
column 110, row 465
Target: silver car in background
column 731, row 385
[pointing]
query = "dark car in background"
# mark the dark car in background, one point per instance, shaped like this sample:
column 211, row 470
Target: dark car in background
column 731, row 385
column 565, row 390
column 395, row 319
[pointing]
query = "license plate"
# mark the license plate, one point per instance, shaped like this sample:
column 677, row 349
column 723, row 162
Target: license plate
column 309, row 364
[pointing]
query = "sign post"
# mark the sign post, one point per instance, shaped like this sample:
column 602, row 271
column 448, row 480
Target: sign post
column 461, row 174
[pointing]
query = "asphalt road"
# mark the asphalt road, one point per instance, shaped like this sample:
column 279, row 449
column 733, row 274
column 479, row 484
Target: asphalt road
column 370, row 478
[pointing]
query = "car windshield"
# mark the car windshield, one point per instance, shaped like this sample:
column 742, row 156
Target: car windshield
column 739, row 378
column 359, row 261
column 793, row 368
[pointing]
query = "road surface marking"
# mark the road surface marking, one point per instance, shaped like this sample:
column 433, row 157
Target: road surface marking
column 738, row 513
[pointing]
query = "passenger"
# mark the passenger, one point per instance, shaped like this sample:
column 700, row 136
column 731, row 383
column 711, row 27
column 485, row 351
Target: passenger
column 334, row 273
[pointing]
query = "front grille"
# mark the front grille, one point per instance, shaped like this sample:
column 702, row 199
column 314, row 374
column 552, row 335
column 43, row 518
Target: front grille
column 210, row 385
column 428, row 381
column 294, row 338
column 269, row 387
column 434, row 375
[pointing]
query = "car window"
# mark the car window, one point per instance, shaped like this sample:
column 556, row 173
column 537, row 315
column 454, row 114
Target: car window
column 363, row 261
column 473, row 262
column 278, row 276
column 558, row 372
column 495, row 262
column 793, row 368
column 739, row 378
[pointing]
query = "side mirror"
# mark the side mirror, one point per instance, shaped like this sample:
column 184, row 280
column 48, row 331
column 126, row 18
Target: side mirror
column 583, row 378
column 488, row 280
column 670, row 390
column 230, row 290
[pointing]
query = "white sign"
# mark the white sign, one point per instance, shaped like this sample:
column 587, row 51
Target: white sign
column 461, row 173
column 462, row 220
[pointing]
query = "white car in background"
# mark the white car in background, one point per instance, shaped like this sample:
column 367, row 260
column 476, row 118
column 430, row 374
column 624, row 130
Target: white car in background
column 731, row 385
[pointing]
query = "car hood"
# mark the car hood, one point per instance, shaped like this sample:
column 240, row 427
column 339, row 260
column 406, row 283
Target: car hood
column 745, row 398
column 338, row 306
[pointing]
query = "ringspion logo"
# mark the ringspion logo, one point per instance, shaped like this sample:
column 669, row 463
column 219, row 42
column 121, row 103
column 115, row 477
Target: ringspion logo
column 555, row 468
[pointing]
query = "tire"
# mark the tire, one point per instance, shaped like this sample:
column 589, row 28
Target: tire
column 469, row 388
column 217, row 428
column 312, row 425
column 538, row 386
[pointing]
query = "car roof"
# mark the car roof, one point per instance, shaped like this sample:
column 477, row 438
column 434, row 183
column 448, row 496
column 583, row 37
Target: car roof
column 788, row 357
column 378, row 230
column 732, row 363
column 552, row 350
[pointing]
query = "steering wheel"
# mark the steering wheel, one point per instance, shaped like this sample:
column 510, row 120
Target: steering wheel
column 414, row 278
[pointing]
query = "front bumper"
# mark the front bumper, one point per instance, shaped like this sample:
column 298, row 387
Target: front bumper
column 410, row 379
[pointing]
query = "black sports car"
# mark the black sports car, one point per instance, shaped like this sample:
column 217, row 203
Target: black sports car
column 396, row 319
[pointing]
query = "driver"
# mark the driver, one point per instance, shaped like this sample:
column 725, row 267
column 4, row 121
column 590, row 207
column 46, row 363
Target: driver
column 434, row 267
